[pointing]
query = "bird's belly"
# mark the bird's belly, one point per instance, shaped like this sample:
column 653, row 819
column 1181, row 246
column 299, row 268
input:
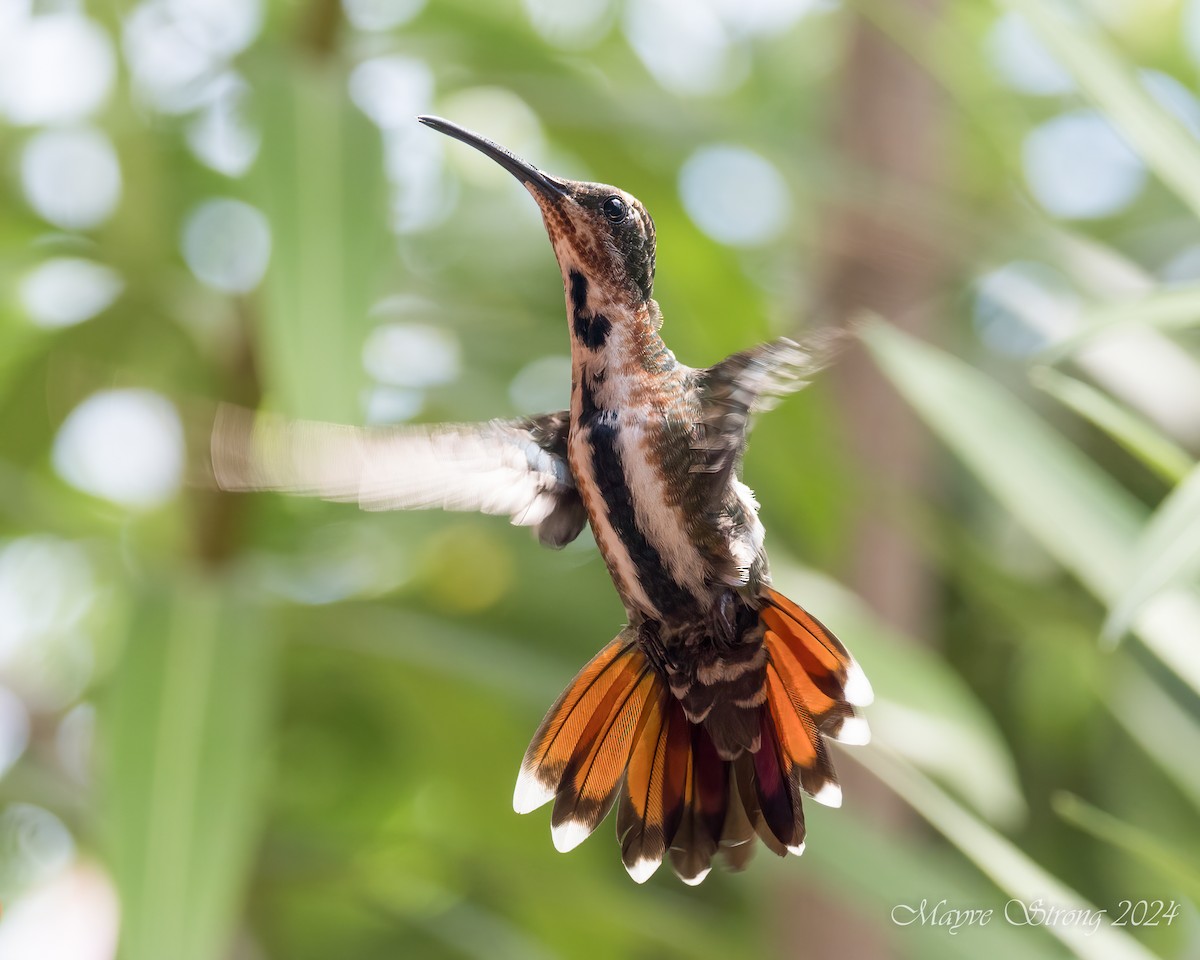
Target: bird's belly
column 636, row 517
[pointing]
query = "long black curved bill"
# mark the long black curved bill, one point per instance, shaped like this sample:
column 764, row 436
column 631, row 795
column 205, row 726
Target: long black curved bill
column 524, row 171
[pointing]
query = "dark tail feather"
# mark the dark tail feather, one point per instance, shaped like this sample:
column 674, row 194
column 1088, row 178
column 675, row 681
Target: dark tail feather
column 705, row 811
column 620, row 730
column 737, row 834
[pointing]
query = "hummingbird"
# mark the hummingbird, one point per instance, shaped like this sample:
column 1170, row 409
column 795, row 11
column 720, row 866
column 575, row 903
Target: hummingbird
column 705, row 721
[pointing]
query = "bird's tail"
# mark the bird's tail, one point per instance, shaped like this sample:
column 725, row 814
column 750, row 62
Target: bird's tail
column 619, row 735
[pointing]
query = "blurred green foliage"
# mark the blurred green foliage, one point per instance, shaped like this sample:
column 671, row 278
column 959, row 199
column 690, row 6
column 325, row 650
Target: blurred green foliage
column 288, row 729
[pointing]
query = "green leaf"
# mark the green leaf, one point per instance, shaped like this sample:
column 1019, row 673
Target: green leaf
column 1079, row 515
column 319, row 179
column 184, row 731
column 1167, row 555
column 999, row 859
column 1145, row 710
column 1137, row 436
column 913, row 869
column 1047, row 484
column 1177, row 309
column 1158, row 138
column 1153, row 851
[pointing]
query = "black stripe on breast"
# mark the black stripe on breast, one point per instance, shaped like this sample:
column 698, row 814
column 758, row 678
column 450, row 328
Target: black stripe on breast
column 587, row 398
column 664, row 591
column 590, row 330
column 579, row 289
column 596, row 332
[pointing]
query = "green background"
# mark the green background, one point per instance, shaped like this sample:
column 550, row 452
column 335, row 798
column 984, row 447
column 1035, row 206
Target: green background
column 287, row 729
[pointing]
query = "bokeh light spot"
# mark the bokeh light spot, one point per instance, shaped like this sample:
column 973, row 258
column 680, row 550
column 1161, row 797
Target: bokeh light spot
column 384, row 405
column 422, row 194
column 220, row 136
column 71, row 177
column 34, row 927
column 582, row 23
column 224, row 27
column 175, row 48
column 125, row 446
column 411, row 355
column 68, row 290
column 34, row 847
column 47, row 590
column 684, row 45
column 392, row 90
column 1022, row 61
column 166, row 64
column 1079, row 167
column 46, row 587
column 227, row 245
column 57, row 68
column 1006, row 299
column 734, row 195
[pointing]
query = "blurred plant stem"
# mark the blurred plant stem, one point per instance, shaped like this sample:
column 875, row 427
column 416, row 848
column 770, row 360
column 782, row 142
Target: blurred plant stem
column 320, row 26
column 888, row 123
column 218, row 514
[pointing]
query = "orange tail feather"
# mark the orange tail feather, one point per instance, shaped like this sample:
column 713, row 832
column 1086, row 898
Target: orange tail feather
column 619, row 732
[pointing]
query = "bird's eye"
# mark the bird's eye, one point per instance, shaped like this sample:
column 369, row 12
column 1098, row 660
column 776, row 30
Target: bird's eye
column 614, row 208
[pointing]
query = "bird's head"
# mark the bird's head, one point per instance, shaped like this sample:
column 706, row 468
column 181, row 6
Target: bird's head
column 599, row 232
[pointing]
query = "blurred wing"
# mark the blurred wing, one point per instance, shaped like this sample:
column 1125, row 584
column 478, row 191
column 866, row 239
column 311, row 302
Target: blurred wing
column 747, row 383
column 513, row 467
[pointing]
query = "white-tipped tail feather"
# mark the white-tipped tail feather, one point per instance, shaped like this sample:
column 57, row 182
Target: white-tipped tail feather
column 697, row 879
column 830, row 795
column 854, row 732
column 643, row 870
column 567, row 836
column 530, row 793
column 858, row 690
